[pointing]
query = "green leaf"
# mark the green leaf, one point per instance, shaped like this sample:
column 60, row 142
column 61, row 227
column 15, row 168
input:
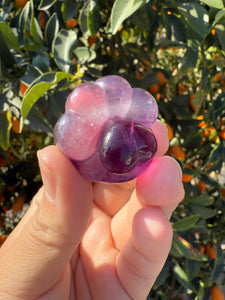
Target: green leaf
column 193, row 268
column 68, row 9
column 182, row 248
column 5, row 125
column 51, row 29
column 42, row 62
column 217, row 267
column 182, row 277
column 220, row 29
column 31, row 74
column 188, row 61
column 63, row 45
column 36, row 121
column 206, row 213
column 29, row 29
column 37, row 89
column 5, row 53
column 121, row 10
column 218, row 16
column 84, row 54
column 83, row 19
column 214, row 3
column 9, row 36
column 93, row 17
column 35, row 29
column 46, row 4
column 196, row 17
column 215, row 154
column 202, row 200
column 185, row 249
column 186, row 223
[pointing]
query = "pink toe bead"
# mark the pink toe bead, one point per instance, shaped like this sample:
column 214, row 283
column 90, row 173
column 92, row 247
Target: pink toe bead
column 144, row 109
column 118, row 94
column 75, row 136
column 89, row 101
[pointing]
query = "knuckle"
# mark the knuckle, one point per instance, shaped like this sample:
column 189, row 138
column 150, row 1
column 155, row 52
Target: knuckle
column 43, row 232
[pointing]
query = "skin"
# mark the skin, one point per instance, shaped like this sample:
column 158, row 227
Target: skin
column 78, row 241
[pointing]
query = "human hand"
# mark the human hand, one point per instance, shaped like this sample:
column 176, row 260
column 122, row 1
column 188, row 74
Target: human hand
column 78, row 241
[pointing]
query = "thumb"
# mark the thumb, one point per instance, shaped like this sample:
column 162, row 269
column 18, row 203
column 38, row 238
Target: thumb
column 37, row 252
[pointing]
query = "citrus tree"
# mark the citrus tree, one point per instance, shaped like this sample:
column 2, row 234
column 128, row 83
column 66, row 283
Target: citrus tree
column 175, row 50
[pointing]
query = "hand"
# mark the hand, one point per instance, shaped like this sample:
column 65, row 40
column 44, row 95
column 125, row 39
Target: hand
column 78, row 241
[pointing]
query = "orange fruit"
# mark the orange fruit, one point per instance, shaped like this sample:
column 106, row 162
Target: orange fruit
column 211, row 250
column 3, row 161
column 213, row 31
column 138, row 76
column 2, row 239
column 177, row 152
column 222, row 134
column 92, row 40
column 153, row 89
column 23, row 88
column 15, row 125
column 191, row 99
column 41, row 18
column 222, row 191
column 208, row 131
column 216, row 293
column 187, row 177
column 146, row 64
column 202, row 124
column 10, row 188
column 170, row 131
column 201, row 249
column 18, row 205
column 200, row 117
column 161, row 78
column 217, row 77
column 71, row 23
column 181, row 88
column 21, row 3
column 158, row 96
column 201, row 186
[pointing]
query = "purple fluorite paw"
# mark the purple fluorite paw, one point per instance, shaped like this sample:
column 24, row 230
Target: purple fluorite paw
column 105, row 130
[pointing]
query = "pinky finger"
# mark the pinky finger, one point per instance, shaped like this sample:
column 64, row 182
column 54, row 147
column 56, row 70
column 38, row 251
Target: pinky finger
column 144, row 254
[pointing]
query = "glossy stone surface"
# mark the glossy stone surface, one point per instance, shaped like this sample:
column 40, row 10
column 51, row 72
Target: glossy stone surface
column 105, row 129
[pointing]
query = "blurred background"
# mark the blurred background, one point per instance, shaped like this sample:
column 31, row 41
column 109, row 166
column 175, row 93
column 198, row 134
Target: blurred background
column 176, row 51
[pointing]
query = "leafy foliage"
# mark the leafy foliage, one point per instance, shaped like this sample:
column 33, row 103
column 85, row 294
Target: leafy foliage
column 176, row 50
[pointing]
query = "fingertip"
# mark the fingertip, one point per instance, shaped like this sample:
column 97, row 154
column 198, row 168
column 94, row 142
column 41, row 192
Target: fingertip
column 54, row 159
column 161, row 133
column 161, row 184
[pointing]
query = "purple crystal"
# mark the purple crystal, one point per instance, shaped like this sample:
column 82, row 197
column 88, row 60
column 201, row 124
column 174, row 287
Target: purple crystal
column 105, row 130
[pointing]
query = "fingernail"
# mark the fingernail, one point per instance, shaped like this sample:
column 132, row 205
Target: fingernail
column 48, row 176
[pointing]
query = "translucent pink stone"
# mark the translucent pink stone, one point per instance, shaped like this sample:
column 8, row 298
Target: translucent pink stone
column 144, row 109
column 75, row 136
column 89, row 101
column 118, row 94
